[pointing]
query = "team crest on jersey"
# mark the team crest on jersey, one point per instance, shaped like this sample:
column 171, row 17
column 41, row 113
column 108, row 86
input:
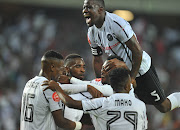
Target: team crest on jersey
column 109, row 37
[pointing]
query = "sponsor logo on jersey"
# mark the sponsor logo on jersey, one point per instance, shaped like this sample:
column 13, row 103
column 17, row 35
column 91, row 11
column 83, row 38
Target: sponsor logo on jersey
column 109, row 37
column 98, row 79
column 55, row 97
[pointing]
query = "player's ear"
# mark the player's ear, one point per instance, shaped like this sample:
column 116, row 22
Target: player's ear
column 101, row 9
column 67, row 71
column 128, row 85
column 52, row 67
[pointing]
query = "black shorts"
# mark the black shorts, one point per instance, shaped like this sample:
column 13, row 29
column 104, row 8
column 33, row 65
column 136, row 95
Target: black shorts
column 149, row 89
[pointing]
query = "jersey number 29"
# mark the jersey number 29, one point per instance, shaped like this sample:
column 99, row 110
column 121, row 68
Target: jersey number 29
column 130, row 116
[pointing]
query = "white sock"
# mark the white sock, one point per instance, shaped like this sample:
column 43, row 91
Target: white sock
column 175, row 100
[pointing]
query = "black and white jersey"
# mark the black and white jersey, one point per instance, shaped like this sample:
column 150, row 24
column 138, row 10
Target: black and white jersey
column 76, row 115
column 111, row 37
column 118, row 112
column 37, row 105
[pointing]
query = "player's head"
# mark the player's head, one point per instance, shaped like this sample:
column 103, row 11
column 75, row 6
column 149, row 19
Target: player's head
column 120, row 80
column 94, row 12
column 104, row 73
column 75, row 66
column 115, row 57
column 52, row 65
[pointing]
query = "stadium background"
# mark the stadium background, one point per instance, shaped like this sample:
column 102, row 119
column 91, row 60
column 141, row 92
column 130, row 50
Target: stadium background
column 29, row 28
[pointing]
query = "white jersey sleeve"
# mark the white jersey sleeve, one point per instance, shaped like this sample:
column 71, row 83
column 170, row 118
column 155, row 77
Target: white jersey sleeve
column 90, row 37
column 106, row 90
column 74, row 80
column 122, row 29
column 52, row 104
column 73, row 88
column 92, row 106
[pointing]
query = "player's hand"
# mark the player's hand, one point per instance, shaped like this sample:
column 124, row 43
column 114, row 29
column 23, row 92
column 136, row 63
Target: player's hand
column 114, row 63
column 64, row 79
column 51, row 85
column 94, row 92
column 133, row 81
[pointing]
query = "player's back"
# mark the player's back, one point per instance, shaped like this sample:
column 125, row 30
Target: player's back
column 35, row 111
column 119, row 112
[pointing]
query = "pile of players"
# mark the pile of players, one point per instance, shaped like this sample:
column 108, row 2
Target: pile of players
column 59, row 98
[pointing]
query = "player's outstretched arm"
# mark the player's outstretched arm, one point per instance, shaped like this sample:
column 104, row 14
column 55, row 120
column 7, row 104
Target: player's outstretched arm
column 67, row 100
column 94, row 92
column 106, row 90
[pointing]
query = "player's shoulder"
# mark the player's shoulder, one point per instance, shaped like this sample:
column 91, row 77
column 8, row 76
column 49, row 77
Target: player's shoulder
column 114, row 17
column 38, row 80
column 138, row 102
column 91, row 30
column 115, row 20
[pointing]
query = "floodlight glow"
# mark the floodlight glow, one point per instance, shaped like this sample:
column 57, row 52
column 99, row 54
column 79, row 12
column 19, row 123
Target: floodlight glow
column 125, row 14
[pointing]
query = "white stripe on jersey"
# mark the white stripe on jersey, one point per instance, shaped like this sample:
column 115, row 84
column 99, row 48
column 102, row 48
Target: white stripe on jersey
column 118, row 112
column 111, row 38
column 37, row 106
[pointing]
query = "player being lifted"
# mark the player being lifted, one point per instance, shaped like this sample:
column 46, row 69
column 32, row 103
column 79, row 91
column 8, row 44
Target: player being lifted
column 114, row 35
column 120, row 111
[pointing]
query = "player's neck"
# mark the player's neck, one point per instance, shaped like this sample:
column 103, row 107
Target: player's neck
column 101, row 21
column 42, row 73
column 122, row 91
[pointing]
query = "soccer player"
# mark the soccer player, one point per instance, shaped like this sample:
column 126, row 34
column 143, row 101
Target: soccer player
column 114, row 35
column 38, row 109
column 120, row 111
column 75, row 67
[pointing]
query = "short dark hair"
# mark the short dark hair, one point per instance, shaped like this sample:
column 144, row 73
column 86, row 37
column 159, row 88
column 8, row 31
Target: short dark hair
column 100, row 2
column 119, row 78
column 53, row 54
column 114, row 56
column 71, row 56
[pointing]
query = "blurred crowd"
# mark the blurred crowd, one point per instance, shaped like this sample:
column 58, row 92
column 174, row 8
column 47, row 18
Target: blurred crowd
column 27, row 34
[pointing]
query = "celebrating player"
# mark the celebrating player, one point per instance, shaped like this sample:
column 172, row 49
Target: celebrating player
column 38, row 109
column 114, row 35
column 75, row 66
column 120, row 111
